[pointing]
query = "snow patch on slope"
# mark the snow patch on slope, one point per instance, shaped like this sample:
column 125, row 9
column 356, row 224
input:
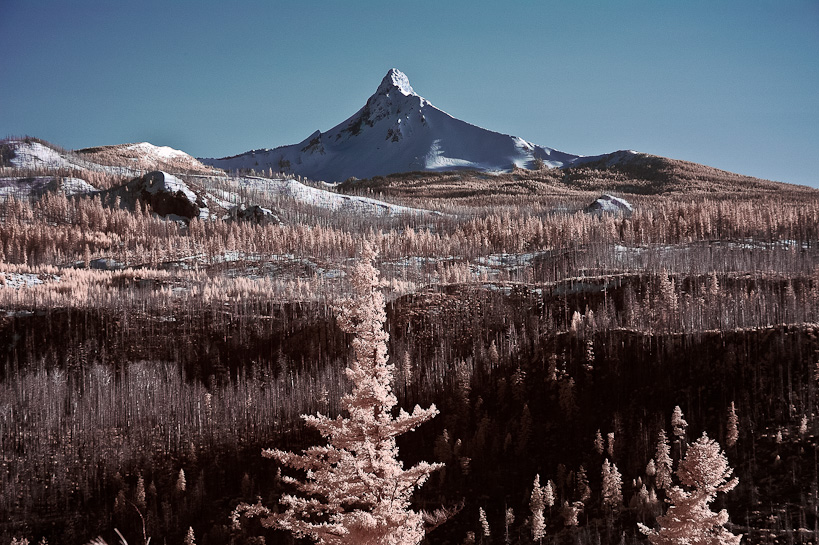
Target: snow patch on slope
column 157, row 182
column 289, row 188
column 160, row 152
column 327, row 199
column 32, row 186
column 34, row 155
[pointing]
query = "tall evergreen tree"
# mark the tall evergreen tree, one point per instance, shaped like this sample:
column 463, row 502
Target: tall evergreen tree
column 612, row 487
column 537, row 505
column 689, row 519
column 356, row 491
column 663, row 458
column 732, row 434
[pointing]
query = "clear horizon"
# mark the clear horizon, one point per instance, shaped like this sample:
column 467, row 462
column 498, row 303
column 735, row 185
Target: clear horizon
column 731, row 85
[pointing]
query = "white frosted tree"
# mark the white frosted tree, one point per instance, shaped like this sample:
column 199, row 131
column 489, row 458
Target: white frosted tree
column 678, row 423
column 508, row 521
column 485, row 530
column 599, row 445
column 537, row 505
column 190, row 537
column 181, row 482
column 612, row 487
column 663, row 461
column 356, row 490
column 689, row 520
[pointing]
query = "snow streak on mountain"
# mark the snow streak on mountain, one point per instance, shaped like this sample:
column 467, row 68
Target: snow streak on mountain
column 396, row 131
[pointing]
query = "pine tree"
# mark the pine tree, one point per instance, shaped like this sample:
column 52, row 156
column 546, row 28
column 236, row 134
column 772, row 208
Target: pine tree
column 181, row 482
column 549, row 494
column 508, row 521
column 612, row 487
column 140, row 493
column 356, row 490
column 599, row 445
column 663, row 458
column 678, row 423
column 651, row 468
column 494, row 357
column 733, row 427
column 582, row 488
column 537, row 505
column 484, row 523
column 689, row 519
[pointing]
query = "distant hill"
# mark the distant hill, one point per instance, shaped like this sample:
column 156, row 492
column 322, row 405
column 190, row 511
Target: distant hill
column 122, row 159
column 622, row 172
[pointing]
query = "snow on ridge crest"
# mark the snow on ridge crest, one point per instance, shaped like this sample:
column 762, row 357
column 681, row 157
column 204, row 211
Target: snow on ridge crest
column 164, row 152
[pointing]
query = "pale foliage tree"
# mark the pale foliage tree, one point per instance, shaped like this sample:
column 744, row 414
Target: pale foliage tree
column 689, row 520
column 678, row 423
column 549, row 494
column 484, row 523
column 599, row 445
column 612, row 487
column 140, row 492
column 651, row 468
column 537, row 505
column 582, row 486
column 663, row 461
column 356, row 491
column 508, row 521
column 494, row 356
column 181, row 482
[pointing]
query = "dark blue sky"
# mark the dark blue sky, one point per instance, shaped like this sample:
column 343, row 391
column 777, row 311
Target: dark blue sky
column 731, row 84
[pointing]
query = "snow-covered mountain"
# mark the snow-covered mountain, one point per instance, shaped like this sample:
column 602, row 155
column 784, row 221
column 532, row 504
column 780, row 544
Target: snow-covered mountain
column 396, row 131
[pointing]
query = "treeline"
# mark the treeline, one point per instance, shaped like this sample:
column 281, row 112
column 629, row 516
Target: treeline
column 57, row 229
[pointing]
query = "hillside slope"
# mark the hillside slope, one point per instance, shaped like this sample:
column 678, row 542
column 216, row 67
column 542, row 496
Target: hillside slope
column 123, row 159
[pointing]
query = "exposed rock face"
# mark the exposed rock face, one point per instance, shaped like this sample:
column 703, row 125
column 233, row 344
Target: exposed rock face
column 106, row 264
column 167, row 195
column 253, row 213
column 610, row 204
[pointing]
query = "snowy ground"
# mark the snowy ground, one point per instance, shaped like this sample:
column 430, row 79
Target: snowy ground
column 23, row 188
column 289, row 188
column 24, row 280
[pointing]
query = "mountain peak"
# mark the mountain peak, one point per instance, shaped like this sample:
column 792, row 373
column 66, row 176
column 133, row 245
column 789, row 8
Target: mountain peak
column 395, row 79
column 397, row 130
